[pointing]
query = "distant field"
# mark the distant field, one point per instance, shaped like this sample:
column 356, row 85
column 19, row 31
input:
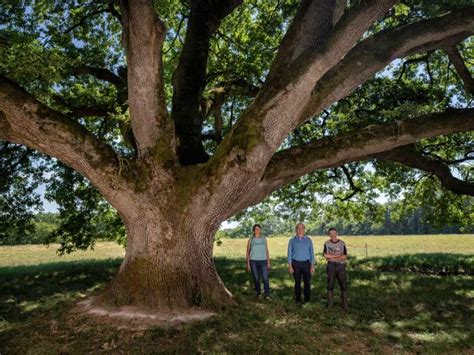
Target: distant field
column 235, row 248
column 356, row 245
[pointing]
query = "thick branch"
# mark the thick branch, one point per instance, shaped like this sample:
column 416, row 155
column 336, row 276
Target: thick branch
column 409, row 156
column 463, row 72
column 308, row 31
column 143, row 35
column 99, row 73
column 288, row 165
column 376, row 52
column 83, row 111
column 90, row 111
column 277, row 109
column 245, row 151
column 189, row 78
column 26, row 121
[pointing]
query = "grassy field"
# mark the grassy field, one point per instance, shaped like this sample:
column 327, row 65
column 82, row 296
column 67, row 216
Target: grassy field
column 408, row 296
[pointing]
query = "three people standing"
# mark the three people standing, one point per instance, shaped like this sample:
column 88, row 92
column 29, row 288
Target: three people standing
column 300, row 263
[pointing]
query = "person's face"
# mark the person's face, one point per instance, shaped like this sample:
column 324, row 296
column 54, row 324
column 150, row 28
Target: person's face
column 257, row 231
column 300, row 230
column 333, row 234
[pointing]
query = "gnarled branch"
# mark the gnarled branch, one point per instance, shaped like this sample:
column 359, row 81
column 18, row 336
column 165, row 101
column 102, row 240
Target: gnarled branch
column 100, row 73
column 463, row 72
column 288, row 165
column 143, row 35
column 354, row 188
column 189, row 78
column 277, row 109
column 408, row 155
column 26, row 121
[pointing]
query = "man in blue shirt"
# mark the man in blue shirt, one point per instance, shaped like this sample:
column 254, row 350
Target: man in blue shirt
column 301, row 262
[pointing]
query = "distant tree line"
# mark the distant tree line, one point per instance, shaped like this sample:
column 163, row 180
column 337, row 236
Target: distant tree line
column 45, row 228
column 390, row 223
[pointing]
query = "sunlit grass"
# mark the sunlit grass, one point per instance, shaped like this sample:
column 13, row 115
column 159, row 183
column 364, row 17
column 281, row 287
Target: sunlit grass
column 39, row 254
column 235, row 248
column 362, row 246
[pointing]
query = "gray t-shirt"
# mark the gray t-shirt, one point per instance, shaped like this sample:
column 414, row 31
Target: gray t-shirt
column 338, row 248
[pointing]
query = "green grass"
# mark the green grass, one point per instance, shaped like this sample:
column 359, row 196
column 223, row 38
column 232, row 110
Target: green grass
column 404, row 312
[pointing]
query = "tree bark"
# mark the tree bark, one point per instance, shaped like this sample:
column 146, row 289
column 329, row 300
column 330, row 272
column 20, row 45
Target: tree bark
column 168, row 263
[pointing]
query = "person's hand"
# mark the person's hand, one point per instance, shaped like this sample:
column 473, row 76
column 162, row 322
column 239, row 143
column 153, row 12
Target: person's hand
column 290, row 269
column 248, row 267
column 311, row 269
column 268, row 265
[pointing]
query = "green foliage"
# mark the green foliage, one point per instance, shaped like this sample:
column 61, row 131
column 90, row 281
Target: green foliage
column 19, row 177
column 357, row 219
column 84, row 215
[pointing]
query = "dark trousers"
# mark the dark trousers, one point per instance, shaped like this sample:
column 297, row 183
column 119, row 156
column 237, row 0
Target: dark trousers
column 260, row 271
column 302, row 269
column 336, row 271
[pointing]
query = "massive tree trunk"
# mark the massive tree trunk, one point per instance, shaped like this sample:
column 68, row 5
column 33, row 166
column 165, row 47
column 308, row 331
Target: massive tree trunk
column 168, row 263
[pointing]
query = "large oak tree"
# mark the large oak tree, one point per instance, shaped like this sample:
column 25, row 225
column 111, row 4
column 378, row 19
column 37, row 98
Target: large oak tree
column 177, row 148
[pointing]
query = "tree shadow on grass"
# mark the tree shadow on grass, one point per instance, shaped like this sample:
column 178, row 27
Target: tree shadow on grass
column 405, row 311
column 27, row 290
column 425, row 263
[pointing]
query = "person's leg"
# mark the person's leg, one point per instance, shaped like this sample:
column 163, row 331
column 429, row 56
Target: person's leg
column 307, row 281
column 342, row 280
column 266, row 283
column 255, row 274
column 297, row 277
column 331, row 273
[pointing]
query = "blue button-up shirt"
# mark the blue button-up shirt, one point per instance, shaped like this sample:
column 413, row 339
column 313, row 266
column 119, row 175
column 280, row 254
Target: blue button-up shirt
column 300, row 249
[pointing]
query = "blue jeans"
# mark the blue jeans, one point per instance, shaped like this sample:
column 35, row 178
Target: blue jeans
column 260, row 270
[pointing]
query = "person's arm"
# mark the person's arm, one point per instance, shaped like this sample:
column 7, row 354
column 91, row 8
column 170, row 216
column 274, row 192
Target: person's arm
column 328, row 256
column 247, row 255
column 268, row 253
column 325, row 254
column 311, row 257
column 344, row 254
column 290, row 257
column 337, row 257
